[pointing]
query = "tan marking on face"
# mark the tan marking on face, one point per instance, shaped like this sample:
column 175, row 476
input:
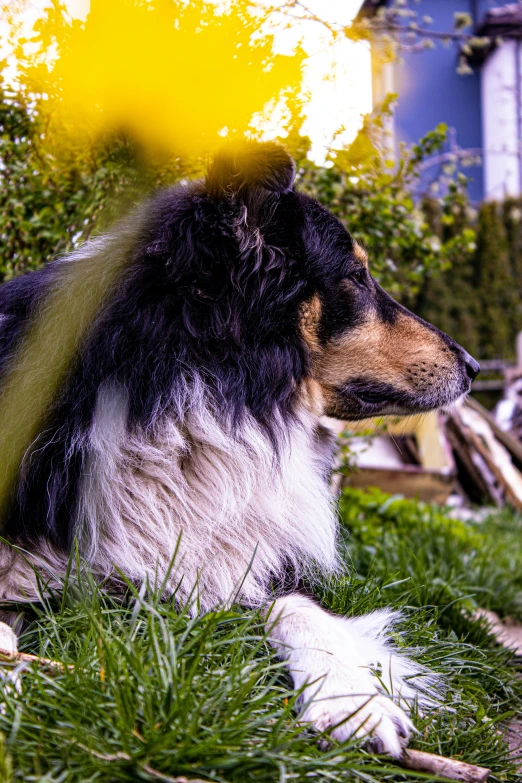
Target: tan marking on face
column 405, row 354
column 309, row 322
column 360, row 254
column 311, row 390
column 312, row 396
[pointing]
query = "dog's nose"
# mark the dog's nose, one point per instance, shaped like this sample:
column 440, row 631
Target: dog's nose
column 472, row 366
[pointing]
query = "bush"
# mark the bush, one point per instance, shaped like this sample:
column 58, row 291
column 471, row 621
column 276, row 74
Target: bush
column 477, row 301
column 437, row 560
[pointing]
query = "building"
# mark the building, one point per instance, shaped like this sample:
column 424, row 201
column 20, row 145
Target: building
column 482, row 104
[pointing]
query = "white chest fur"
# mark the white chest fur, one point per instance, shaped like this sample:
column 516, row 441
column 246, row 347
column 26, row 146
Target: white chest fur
column 224, row 502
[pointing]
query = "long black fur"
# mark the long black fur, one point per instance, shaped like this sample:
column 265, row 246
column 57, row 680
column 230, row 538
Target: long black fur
column 211, row 290
column 192, row 301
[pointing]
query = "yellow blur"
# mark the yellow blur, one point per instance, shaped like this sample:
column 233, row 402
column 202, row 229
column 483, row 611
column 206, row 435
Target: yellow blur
column 176, row 76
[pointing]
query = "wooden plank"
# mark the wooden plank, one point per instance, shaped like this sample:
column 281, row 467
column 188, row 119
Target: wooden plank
column 433, row 447
column 411, row 481
column 495, row 455
column 513, row 445
column 496, row 365
column 475, row 476
column 494, row 385
column 442, row 767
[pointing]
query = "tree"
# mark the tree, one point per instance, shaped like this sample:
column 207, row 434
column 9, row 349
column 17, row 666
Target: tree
column 175, row 77
column 61, row 188
column 447, row 297
column 494, row 284
column 512, row 216
column 47, row 208
column 398, row 26
column 371, row 195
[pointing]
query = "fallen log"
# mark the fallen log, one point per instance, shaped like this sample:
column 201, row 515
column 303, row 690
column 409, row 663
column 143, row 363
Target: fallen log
column 443, row 767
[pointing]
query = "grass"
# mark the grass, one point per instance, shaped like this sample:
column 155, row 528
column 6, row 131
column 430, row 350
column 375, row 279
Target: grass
column 153, row 694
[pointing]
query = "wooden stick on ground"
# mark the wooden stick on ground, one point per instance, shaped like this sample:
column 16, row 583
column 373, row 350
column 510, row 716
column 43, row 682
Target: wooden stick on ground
column 411, row 759
column 6, row 656
column 444, row 767
column 154, row 773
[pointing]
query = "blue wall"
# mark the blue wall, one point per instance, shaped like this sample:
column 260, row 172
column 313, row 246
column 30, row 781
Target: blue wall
column 431, row 91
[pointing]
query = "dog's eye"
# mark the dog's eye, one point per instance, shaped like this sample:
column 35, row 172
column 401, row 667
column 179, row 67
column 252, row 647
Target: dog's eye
column 358, row 275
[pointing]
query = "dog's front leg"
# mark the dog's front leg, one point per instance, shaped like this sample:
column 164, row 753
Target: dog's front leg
column 8, row 678
column 332, row 660
column 8, row 640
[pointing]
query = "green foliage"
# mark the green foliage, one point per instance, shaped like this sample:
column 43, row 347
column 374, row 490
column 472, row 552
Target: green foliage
column 424, row 253
column 52, row 202
column 38, row 207
column 477, row 300
column 6, row 767
column 372, row 195
column 494, row 282
column 153, row 693
column 48, row 206
column 512, row 216
column 442, row 560
column 447, row 297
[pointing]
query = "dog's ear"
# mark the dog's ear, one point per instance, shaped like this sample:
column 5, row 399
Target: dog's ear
column 251, row 165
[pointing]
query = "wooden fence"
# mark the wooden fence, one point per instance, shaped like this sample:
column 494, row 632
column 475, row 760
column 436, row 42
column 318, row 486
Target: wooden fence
column 509, row 370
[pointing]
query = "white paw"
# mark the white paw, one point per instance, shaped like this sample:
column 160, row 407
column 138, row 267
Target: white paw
column 8, row 640
column 375, row 717
column 9, row 679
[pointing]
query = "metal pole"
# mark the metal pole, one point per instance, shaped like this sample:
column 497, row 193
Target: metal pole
column 518, row 99
column 519, row 351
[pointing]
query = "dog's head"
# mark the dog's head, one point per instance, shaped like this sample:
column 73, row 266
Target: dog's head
column 281, row 291
column 369, row 354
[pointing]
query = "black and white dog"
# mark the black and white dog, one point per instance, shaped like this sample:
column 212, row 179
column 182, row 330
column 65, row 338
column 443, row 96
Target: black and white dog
column 190, row 418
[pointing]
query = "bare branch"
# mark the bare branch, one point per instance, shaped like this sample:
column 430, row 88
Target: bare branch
column 444, row 767
column 19, row 657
